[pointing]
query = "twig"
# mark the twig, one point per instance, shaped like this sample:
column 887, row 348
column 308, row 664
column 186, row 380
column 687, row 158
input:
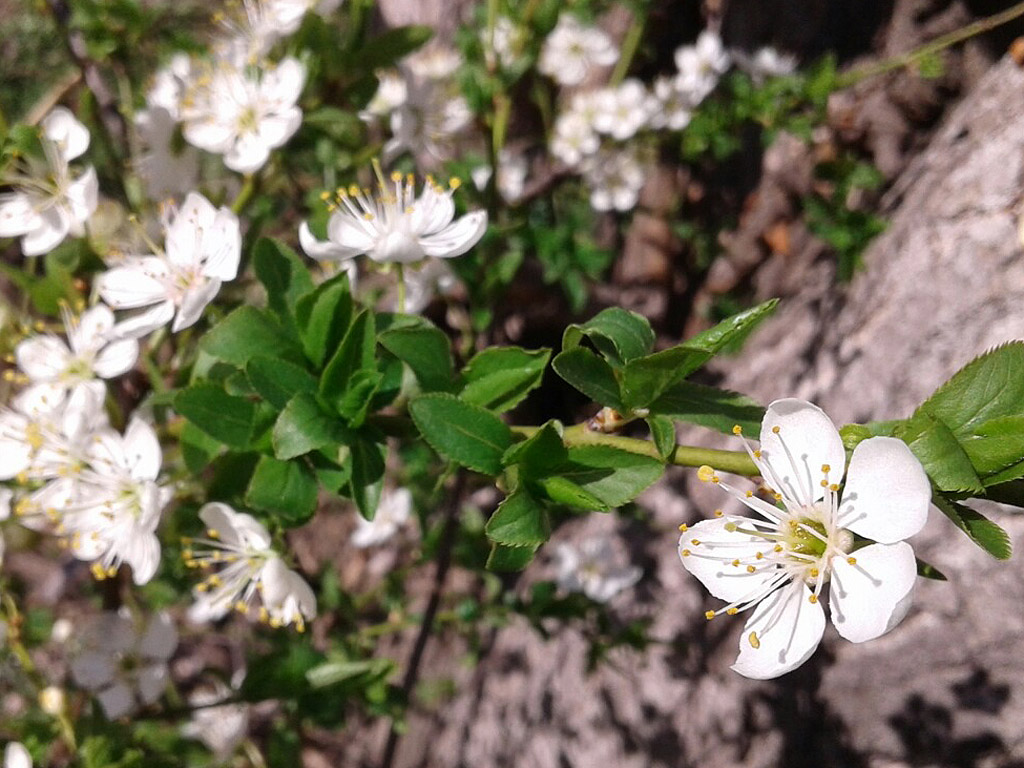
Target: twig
column 444, row 561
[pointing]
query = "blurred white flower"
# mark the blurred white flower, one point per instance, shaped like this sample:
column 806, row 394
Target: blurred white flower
column 49, row 203
column 433, row 62
column 702, row 64
column 391, row 93
column 165, row 169
column 243, row 115
column 52, row 700
column 395, row 226
column 16, row 756
column 202, row 247
column 764, row 63
column 674, row 104
column 392, row 512
column 506, row 45
column 572, row 50
column 170, row 84
column 574, row 136
column 221, row 728
column 423, row 283
column 591, row 569
column 55, row 367
column 622, row 111
column 615, row 179
column 251, row 568
column 512, row 170
column 122, row 664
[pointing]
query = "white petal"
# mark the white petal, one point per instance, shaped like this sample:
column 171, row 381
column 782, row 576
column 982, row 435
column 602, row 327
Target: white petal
column 142, row 552
column 193, row 303
column 16, row 756
column 247, row 155
column 458, row 238
column 61, row 127
column 285, row 593
column 138, row 284
column 283, row 85
column 147, row 321
column 160, row 640
column 872, row 596
column 17, row 216
column 82, row 198
column 711, row 559
column 187, row 230
column 222, row 246
column 91, row 329
column 432, row 212
column 352, row 234
column 211, row 136
column 142, row 450
column 6, row 494
column 397, row 248
column 151, row 683
column 117, row 701
column 275, row 130
column 324, row 249
column 235, row 529
column 93, row 669
column 807, row 440
column 782, row 633
column 116, row 358
column 42, row 358
column 53, row 228
column 887, row 492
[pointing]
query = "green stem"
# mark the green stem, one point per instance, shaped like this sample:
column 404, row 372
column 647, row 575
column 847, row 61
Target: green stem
column 630, row 45
column 400, row 272
column 244, row 194
column 736, row 462
column 974, row 29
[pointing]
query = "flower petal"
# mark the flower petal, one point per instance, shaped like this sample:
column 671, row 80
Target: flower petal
column 136, row 284
column 324, row 249
column 806, row 441
column 151, row 683
column 16, row 756
column 93, row 669
column 346, row 231
column 62, row 128
column 117, row 701
column 160, row 639
column 42, row 358
column 710, row 560
column 116, row 358
column 17, row 216
column 887, row 492
column 782, row 633
column 871, row 596
column 88, row 333
column 193, row 303
column 54, row 225
column 235, row 529
column 142, row 450
column 147, row 321
column 82, row 199
column 458, row 238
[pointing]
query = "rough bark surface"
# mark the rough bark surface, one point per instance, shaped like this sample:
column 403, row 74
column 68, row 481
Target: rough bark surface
column 944, row 283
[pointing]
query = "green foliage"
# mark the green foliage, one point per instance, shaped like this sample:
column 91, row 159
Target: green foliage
column 469, row 435
column 499, row 378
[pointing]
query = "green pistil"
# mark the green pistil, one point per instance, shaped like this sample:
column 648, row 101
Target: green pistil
column 803, row 542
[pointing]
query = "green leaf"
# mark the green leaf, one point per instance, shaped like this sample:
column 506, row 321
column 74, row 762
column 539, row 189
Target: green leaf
column 499, row 378
column 338, row 671
column 427, row 351
column 614, row 476
column 663, row 434
column 562, row 490
column 539, row 454
column 220, row 415
column 929, row 571
column 246, row 333
column 989, row 387
column 386, row 49
column 995, row 445
column 285, row 489
column 356, row 353
column 324, row 318
column 646, row 378
column 591, row 375
column 709, row 407
column 466, row 434
column 355, row 403
column 198, row 449
column 519, row 521
column 281, row 673
column 276, row 381
column 505, row 559
column 303, row 427
column 979, row 528
column 617, row 334
column 940, row 453
column 729, row 332
column 367, row 483
column 283, row 274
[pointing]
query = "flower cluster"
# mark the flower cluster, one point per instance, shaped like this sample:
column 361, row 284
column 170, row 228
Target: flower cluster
column 811, row 534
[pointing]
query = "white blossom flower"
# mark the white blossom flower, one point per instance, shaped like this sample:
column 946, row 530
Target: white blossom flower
column 675, row 105
column 55, row 368
column 702, row 64
column 572, row 50
column 764, row 63
column 504, row 47
column 622, row 111
column 423, row 283
column 124, row 667
column 615, row 179
column 392, row 92
column 778, row 564
column 202, row 247
column 49, row 203
column 392, row 513
column 395, row 226
column 512, row 170
column 591, row 569
column 240, row 543
column 170, row 84
column 16, row 756
column 243, row 116
column 117, row 508
column 221, row 728
column 165, row 169
column 574, row 138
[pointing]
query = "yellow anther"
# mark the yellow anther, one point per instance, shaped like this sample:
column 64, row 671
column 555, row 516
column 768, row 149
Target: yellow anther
column 695, row 542
column 730, row 526
column 736, row 563
column 834, row 487
column 396, row 177
column 751, row 569
column 705, row 473
column 454, row 182
column 777, row 548
column 759, row 555
column 757, row 454
column 851, row 560
column 732, row 611
column 824, row 483
column 353, row 190
column 212, row 533
column 242, row 607
column 750, row 494
column 685, row 553
column 719, row 513
column 683, row 527
column 737, row 430
column 754, row 642
column 709, row 615
column 776, row 430
column 826, row 468
column 325, row 195
column 813, row 598
column 814, row 573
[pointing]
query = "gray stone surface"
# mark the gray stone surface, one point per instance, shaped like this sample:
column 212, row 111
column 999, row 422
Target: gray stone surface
column 945, row 282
